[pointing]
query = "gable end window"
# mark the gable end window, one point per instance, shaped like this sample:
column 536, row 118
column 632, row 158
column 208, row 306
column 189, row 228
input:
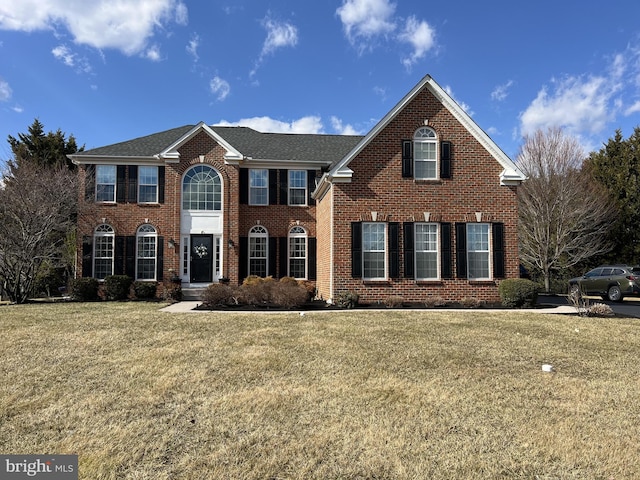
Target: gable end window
column 425, row 154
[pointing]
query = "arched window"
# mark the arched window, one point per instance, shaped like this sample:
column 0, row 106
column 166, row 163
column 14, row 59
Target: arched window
column 298, row 253
column 202, row 189
column 103, row 248
column 425, row 154
column 146, row 252
column 258, row 251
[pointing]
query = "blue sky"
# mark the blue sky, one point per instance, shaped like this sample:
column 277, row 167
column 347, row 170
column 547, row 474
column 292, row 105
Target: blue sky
column 112, row 70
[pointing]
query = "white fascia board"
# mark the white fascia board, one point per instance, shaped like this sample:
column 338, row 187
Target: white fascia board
column 171, row 154
column 114, row 160
column 249, row 162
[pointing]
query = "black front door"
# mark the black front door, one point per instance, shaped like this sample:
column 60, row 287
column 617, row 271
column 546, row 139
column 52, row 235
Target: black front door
column 202, row 258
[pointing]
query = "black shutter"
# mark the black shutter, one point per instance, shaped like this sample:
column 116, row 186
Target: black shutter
column 161, row 181
column 273, row 257
column 284, row 257
column 356, row 249
column 311, row 186
column 244, row 187
column 498, row 250
column 130, row 259
column 461, row 250
column 118, row 264
column 394, row 249
column 446, row 259
column 160, row 259
column 90, row 185
column 409, row 249
column 312, row 257
column 121, row 184
column 273, row 187
column 284, row 187
column 445, row 159
column 407, row 158
column 87, row 256
column 243, row 258
column 132, row 196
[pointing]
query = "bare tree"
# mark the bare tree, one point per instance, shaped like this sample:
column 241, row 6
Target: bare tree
column 37, row 214
column 563, row 214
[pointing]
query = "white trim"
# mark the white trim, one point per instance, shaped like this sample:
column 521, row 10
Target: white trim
column 171, row 154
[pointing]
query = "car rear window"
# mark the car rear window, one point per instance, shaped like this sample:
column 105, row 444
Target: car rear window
column 618, row 271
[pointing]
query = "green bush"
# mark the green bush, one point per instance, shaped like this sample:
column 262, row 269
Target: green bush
column 518, row 293
column 116, row 287
column 84, row 289
column 347, row 299
column 145, row 290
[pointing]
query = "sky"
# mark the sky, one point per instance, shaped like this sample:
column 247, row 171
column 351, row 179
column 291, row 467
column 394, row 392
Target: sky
column 107, row 71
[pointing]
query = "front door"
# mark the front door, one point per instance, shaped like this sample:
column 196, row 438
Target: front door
column 202, row 258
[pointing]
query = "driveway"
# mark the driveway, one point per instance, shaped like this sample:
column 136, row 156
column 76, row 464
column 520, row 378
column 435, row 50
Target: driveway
column 629, row 307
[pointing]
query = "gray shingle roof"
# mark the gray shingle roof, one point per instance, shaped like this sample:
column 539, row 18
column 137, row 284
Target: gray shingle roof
column 251, row 143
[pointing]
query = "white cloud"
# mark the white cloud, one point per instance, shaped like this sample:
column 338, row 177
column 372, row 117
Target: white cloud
column 501, row 92
column 153, row 53
column 342, row 129
column 220, row 88
column 577, row 103
column 421, row 36
column 363, row 20
column 462, row 104
column 635, row 108
column 279, row 35
column 5, row 91
column 71, row 59
column 119, row 24
column 17, row 109
column 309, row 124
column 192, row 47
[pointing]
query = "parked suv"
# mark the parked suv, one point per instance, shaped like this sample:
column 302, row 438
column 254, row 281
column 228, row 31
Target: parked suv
column 612, row 282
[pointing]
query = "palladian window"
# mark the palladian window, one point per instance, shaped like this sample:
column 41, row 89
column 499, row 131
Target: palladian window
column 202, row 189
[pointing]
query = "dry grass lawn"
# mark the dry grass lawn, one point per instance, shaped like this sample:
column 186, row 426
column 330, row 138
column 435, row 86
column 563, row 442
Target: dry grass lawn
column 143, row 394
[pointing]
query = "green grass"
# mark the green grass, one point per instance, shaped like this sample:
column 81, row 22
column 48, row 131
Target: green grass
column 143, row 394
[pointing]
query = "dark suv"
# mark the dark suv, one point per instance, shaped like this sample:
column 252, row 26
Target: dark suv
column 612, row 282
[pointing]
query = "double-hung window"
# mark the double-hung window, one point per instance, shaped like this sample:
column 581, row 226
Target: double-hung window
column 258, row 251
column 478, row 250
column 147, row 184
column 106, row 183
column 146, row 253
column 298, row 253
column 426, row 251
column 258, row 187
column 425, row 154
column 297, row 187
column 374, row 241
column 103, row 248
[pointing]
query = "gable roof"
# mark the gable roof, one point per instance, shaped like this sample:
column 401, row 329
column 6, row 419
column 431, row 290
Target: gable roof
column 241, row 143
column 511, row 174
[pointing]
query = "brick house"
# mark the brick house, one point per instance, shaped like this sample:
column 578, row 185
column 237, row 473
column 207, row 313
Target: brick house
column 424, row 204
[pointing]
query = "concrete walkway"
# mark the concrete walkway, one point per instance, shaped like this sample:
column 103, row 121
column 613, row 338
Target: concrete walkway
column 188, row 307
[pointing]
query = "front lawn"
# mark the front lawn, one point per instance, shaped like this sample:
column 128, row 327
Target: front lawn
column 143, row 394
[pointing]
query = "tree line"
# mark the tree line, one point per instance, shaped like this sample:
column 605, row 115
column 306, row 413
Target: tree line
column 575, row 209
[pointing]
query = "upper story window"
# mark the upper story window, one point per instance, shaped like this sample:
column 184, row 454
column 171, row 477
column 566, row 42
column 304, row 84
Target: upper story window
column 297, row 187
column 103, row 251
column 425, row 154
column 106, row 183
column 202, row 189
column 146, row 252
column 259, row 187
column 148, row 184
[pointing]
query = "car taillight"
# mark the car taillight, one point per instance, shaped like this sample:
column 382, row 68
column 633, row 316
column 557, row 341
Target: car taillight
column 632, row 278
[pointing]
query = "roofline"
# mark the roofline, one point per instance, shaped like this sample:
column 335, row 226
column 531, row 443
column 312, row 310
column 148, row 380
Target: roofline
column 114, row 159
column 171, row 154
column 510, row 175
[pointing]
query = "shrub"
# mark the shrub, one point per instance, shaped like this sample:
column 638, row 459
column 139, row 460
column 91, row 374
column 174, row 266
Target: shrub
column 218, row 295
column 599, row 310
column 116, row 287
column 145, row 290
column 256, row 290
column 394, row 301
column 171, row 291
column 84, row 289
column 347, row 299
column 288, row 294
column 431, row 302
column 310, row 288
column 471, row 302
column 518, row 293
